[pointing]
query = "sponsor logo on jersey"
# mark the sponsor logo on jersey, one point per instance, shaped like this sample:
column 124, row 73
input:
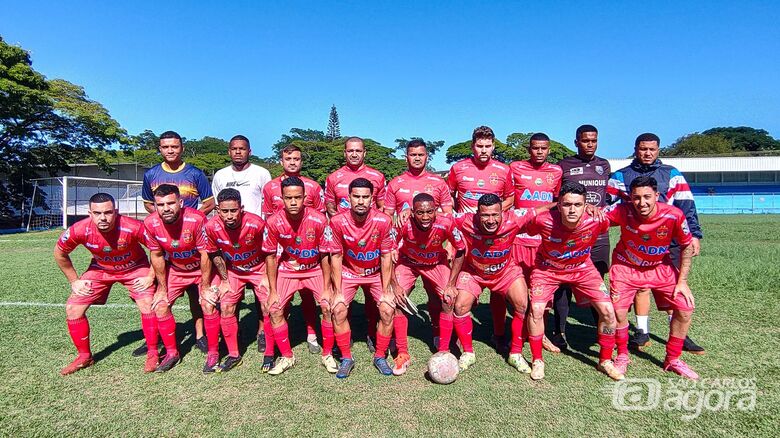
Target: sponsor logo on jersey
column 570, row 244
column 362, row 243
column 363, row 255
column 344, row 203
column 600, row 170
column 481, row 183
column 536, row 195
column 526, row 177
column 570, row 254
column 237, row 184
column 467, row 178
column 174, row 243
column 342, row 186
column 404, row 190
column 645, row 237
column 538, row 181
column 489, row 254
column 649, row 249
column 576, row 171
column 428, row 189
column 106, row 249
column 298, row 240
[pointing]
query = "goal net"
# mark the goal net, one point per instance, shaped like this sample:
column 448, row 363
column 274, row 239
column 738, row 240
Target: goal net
column 59, row 202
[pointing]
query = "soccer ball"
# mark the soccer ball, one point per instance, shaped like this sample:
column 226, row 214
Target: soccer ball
column 443, row 367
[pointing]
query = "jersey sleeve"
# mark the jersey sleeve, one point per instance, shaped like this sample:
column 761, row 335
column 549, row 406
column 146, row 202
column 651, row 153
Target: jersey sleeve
column 617, row 216
column 267, row 202
column 326, row 244
column 317, row 202
column 532, row 227
column 204, row 188
column 456, row 237
column 388, row 239
column 682, row 234
column 330, row 191
column 443, row 196
column 202, row 242
column 452, row 180
column 616, row 187
column 270, row 239
column 380, row 193
column 151, row 241
column 146, row 189
column 69, row 240
column 336, row 246
column 390, row 198
column 509, row 188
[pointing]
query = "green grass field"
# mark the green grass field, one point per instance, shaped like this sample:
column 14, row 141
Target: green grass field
column 734, row 280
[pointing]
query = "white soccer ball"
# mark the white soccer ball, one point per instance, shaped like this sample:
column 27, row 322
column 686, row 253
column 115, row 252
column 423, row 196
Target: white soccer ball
column 443, row 367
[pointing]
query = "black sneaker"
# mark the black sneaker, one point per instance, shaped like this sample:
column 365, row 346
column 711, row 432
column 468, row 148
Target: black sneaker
column 500, row 344
column 212, row 362
column 202, row 345
column 140, row 351
column 268, row 363
column 559, row 340
column 229, row 363
column 692, row 347
column 370, row 345
column 167, row 363
column 261, row 342
column 639, row 341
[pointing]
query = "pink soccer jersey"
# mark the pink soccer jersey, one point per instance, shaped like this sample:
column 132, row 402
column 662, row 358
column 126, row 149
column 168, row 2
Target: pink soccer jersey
column 181, row 241
column 362, row 245
column 488, row 254
column 646, row 242
column 403, row 188
column 272, row 195
column 468, row 182
column 242, row 247
column 425, row 248
column 562, row 248
column 337, row 185
column 534, row 187
column 116, row 251
column 301, row 243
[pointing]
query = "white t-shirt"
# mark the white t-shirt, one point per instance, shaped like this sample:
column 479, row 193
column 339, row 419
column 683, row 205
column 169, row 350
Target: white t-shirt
column 249, row 182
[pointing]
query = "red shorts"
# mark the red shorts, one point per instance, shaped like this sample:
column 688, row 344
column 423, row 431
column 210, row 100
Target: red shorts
column 101, row 282
column 349, row 286
column 585, row 282
column 179, row 281
column 500, row 284
column 238, row 281
column 525, row 257
column 287, row 285
column 436, row 276
column 625, row 280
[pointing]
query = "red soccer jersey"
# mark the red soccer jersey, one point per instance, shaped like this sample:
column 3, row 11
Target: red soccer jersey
column 534, row 187
column 272, row 195
column 426, row 247
column 181, row 241
column 488, row 254
column 646, row 242
column 337, row 185
column 242, row 247
column 301, row 243
column 117, row 251
column 362, row 245
column 469, row 182
column 403, row 188
column 562, row 248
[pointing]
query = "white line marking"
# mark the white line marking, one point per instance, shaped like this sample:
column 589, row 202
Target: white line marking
column 34, row 304
column 26, row 240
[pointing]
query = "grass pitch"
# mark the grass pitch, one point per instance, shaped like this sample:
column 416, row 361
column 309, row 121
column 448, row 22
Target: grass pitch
column 734, row 281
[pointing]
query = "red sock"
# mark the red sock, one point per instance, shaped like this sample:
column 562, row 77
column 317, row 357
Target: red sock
column 607, row 344
column 149, row 327
column 535, row 342
column 463, row 328
column 327, row 337
column 229, row 325
column 343, row 340
column 621, row 339
column 498, row 312
column 167, row 327
column 518, row 325
column 382, row 342
column 268, row 330
column 400, row 329
column 211, row 324
column 79, row 333
column 445, row 331
column 674, row 348
column 282, row 339
column 372, row 315
column 309, row 312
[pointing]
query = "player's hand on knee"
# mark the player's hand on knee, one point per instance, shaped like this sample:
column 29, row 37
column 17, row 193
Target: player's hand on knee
column 160, row 299
column 81, row 288
column 449, row 295
column 682, row 288
column 224, row 288
column 140, row 284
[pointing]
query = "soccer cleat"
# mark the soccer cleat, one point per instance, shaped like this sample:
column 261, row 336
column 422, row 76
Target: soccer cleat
column 621, row 363
column 559, row 340
column 330, row 364
column 314, row 347
column 151, row 364
column 229, row 363
column 519, row 363
column 167, row 363
column 345, row 369
column 370, row 345
column 77, row 364
column 268, row 363
column 381, row 364
column 261, row 342
column 549, row 346
column 679, row 367
column 402, row 363
column 466, row 360
column 692, row 347
column 212, row 362
column 537, row 370
column 500, row 344
column 608, row 367
column 282, row 364
column 140, row 351
column 639, row 341
column 202, row 345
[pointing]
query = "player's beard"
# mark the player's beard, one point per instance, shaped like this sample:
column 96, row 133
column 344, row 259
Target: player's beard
column 172, row 219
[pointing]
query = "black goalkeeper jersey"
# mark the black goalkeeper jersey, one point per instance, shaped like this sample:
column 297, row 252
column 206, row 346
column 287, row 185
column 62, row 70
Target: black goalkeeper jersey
column 593, row 174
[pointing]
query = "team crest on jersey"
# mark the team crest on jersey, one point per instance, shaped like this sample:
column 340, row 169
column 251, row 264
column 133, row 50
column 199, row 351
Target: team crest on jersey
column 481, row 183
column 550, row 178
column 600, row 170
column 662, row 231
column 494, row 178
column 344, row 203
column 310, row 235
column 186, row 236
column 436, row 241
column 645, row 237
column 428, row 189
column 538, row 181
column 121, row 244
column 586, row 237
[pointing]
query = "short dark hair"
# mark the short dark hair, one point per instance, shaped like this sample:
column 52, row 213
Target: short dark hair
column 166, row 189
column 361, row 183
column 241, row 138
column 482, row 132
column 583, row 129
column 293, row 181
column 101, row 197
column 290, row 148
column 572, row 187
column 353, row 139
column 647, row 136
column 539, row 136
column 643, row 181
column 423, row 197
column 416, row 143
column 229, row 194
column 488, row 199
column 171, row 134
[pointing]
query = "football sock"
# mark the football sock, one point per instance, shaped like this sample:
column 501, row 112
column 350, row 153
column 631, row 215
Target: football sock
column 269, row 335
column 382, row 342
column 79, row 333
column 463, row 328
column 282, row 339
column 343, row 340
column 327, row 337
column 149, row 327
column 445, row 331
column 518, row 325
column 167, row 327
column 229, row 325
column 498, row 312
column 211, row 325
column 641, row 324
column 607, row 344
column 401, row 328
column 621, row 339
column 674, row 348
column 535, row 342
column 309, row 315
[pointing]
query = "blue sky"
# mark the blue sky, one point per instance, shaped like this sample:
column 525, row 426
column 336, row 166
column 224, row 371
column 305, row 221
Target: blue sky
column 400, row 69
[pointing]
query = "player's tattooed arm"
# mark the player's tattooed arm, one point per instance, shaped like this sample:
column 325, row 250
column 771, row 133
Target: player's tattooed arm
column 219, row 263
column 682, row 281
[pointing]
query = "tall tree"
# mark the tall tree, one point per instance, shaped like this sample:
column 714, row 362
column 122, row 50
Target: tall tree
column 745, row 138
column 694, row 145
column 334, row 129
column 515, row 148
column 431, row 146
